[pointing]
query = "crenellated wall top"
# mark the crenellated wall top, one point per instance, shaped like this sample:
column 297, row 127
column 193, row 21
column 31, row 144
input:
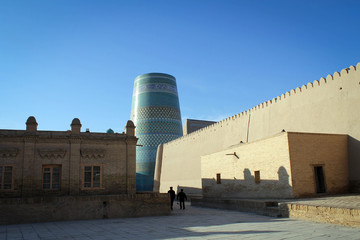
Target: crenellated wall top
column 337, row 76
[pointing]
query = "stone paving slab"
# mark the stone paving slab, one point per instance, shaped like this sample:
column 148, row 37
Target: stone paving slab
column 192, row 223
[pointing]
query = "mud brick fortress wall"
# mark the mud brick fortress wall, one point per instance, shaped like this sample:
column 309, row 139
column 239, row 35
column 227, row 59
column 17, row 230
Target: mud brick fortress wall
column 330, row 105
column 284, row 166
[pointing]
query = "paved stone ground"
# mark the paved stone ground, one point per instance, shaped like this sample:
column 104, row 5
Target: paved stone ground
column 192, row 223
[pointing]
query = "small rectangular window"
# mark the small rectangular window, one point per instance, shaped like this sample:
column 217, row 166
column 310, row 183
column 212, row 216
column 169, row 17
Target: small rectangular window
column 87, row 177
column 92, row 176
column 56, row 178
column 46, row 178
column 257, row 176
column 218, row 178
column 51, row 177
column 6, row 177
column 1, row 180
column 96, row 176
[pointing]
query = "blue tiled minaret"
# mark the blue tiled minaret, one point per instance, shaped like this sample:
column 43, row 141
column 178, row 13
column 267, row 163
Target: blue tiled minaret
column 155, row 112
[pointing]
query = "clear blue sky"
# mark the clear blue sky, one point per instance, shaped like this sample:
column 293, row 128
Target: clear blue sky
column 62, row 59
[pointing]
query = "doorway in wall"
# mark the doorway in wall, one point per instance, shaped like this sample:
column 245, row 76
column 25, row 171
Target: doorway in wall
column 319, row 179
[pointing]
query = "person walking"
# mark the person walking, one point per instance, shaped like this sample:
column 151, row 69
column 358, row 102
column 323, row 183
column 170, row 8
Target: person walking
column 171, row 192
column 182, row 197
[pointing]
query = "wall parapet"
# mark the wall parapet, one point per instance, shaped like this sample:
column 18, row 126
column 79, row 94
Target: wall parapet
column 337, row 76
column 65, row 208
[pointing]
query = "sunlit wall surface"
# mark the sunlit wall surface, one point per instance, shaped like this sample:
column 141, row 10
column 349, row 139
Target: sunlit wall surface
column 156, row 113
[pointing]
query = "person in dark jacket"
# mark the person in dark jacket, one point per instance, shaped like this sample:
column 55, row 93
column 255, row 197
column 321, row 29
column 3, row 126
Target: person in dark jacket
column 171, row 192
column 182, row 197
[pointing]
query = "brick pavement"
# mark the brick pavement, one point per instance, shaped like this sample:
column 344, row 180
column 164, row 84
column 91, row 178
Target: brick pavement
column 193, row 223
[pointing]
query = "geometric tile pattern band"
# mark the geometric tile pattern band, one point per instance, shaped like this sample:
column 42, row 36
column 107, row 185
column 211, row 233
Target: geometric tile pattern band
column 155, row 112
column 158, row 112
column 157, row 126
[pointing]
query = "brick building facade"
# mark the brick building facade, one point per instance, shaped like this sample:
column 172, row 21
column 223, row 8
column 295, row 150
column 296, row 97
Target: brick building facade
column 69, row 175
column 55, row 163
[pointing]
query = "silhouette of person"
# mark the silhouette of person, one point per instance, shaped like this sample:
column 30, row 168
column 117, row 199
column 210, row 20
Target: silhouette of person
column 182, row 197
column 172, row 197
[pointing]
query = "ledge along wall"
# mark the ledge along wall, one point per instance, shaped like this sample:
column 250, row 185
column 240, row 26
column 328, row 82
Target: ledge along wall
column 328, row 105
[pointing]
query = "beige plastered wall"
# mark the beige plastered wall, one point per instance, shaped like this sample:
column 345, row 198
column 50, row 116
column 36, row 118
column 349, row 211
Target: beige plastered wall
column 310, row 150
column 328, row 105
column 237, row 165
